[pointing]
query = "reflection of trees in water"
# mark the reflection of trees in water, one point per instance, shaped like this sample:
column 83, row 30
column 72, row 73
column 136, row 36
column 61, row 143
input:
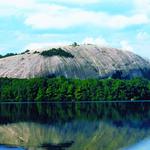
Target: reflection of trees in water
column 77, row 135
column 82, row 135
column 118, row 113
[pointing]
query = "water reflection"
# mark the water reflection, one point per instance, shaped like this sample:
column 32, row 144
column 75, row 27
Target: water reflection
column 135, row 114
column 74, row 126
column 142, row 145
column 81, row 135
column 10, row 148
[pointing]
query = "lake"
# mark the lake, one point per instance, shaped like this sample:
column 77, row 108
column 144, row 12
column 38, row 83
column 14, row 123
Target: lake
column 75, row 126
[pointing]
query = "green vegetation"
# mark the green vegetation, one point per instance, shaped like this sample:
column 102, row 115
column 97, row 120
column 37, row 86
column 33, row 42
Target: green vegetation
column 75, row 44
column 13, row 54
column 27, row 51
column 7, row 55
column 56, row 52
column 36, row 52
column 62, row 89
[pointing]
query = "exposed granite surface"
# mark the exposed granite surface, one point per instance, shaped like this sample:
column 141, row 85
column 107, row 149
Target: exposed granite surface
column 90, row 61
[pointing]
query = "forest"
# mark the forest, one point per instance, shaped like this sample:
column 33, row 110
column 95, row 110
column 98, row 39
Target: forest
column 56, row 52
column 63, row 89
column 8, row 55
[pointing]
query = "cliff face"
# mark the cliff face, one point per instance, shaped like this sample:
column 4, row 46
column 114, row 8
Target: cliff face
column 89, row 61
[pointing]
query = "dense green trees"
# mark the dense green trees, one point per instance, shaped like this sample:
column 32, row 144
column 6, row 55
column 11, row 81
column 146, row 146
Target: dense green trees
column 56, row 52
column 8, row 55
column 62, row 89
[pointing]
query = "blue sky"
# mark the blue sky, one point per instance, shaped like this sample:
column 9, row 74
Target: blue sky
column 31, row 24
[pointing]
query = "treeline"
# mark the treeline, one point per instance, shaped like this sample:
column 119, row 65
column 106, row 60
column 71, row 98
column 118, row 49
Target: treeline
column 14, row 54
column 56, row 52
column 62, row 89
column 8, row 55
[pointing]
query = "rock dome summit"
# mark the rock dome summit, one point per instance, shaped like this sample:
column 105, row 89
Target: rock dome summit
column 75, row 61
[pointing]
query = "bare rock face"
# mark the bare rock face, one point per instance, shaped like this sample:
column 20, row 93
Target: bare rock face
column 89, row 61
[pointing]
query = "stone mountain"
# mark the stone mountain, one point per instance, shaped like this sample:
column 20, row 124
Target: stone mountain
column 86, row 61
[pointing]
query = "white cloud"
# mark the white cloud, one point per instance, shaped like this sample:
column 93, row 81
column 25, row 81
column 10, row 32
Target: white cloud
column 121, row 21
column 15, row 7
column 80, row 1
column 44, row 36
column 26, row 7
column 142, row 36
column 1, row 49
column 47, row 15
column 126, row 46
column 43, row 45
column 64, row 17
column 142, row 6
column 17, row 3
column 98, row 41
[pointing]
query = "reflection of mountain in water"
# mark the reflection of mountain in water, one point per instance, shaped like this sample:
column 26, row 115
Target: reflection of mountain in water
column 5, row 147
column 70, row 136
column 142, row 145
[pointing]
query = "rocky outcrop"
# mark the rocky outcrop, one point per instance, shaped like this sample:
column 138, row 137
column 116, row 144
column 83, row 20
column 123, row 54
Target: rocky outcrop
column 89, row 61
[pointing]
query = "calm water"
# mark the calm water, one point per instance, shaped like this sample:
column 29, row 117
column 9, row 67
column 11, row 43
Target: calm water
column 75, row 126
